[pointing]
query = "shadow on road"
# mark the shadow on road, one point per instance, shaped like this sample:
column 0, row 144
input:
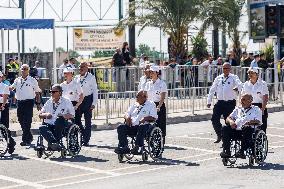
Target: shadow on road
column 104, row 146
column 264, row 166
column 79, row 158
column 173, row 148
column 13, row 156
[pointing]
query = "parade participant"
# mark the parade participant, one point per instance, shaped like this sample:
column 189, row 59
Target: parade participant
column 55, row 112
column 226, row 86
column 88, row 84
column 137, row 120
column 27, row 90
column 156, row 91
column 240, row 123
column 259, row 91
column 4, row 112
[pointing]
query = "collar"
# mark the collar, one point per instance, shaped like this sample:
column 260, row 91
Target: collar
column 155, row 81
column 84, row 75
column 59, row 101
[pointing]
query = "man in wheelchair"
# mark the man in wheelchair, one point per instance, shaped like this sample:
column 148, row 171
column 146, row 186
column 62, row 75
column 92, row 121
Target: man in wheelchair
column 56, row 112
column 240, row 126
column 137, row 122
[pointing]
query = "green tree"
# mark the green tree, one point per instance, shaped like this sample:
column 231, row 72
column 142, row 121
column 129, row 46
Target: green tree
column 172, row 16
column 60, row 49
column 199, row 49
column 73, row 54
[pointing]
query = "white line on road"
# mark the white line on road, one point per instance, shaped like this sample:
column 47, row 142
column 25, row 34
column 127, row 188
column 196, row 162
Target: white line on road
column 72, row 165
column 21, row 182
column 130, row 173
column 97, row 150
column 280, row 136
column 192, row 148
column 275, row 128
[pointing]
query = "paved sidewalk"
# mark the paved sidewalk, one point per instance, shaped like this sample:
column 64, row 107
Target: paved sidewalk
column 173, row 118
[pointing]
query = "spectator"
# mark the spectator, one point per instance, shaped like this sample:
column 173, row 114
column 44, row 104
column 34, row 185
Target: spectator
column 231, row 59
column 247, row 60
column 262, row 63
column 126, row 54
column 117, row 58
column 73, row 62
column 254, row 63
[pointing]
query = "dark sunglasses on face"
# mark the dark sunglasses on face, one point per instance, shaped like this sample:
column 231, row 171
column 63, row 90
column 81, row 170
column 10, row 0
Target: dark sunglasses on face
column 24, row 68
column 53, row 92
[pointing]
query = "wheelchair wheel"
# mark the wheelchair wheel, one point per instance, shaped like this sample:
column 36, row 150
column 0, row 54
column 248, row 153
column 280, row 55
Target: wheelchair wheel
column 4, row 140
column 39, row 153
column 225, row 161
column 251, row 161
column 144, row 156
column 74, row 140
column 63, row 153
column 120, row 157
column 260, row 147
column 48, row 153
column 155, row 143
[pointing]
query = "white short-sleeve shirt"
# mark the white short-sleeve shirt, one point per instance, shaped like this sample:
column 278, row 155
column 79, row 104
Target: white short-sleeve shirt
column 154, row 90
column 257, row 90
column 4, row 90
column 224, row 87
column 26, row 88
column 88, row 84
column 242, row 116
column 71, row 90
column 137, row 112
column 63, row 106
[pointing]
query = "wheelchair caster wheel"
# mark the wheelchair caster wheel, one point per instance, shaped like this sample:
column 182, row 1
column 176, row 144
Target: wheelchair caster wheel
column 144, row 156
column 39, row 153
column 225, row 161
column 251, row 161
column 63, row 153
column 120, row 158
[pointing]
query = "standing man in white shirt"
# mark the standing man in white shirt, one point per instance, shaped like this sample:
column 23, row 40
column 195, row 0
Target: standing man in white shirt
column 137, row 120
column 226, row 86
column 4, row 112
column 88, row 84
column 259, row 91
column 240, row 123
column 55, row 112
column 27, row 93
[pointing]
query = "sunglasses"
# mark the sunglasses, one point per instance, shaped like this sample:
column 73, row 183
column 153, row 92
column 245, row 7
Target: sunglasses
column 53, row 92
column 226, row 68
column 24, row 68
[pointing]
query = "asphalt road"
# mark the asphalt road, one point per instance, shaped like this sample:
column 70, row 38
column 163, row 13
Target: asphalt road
column 190, row 160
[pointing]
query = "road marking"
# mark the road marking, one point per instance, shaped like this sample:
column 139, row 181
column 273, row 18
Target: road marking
column 97, row 150
column 124, row 174
column 21, row 182
column 280, row 128
column 276, row 142
column 192, row 148
column 280, row 136
column 201, row 138
column 72, row 165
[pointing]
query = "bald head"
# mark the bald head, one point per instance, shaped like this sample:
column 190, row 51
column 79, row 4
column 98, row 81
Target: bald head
column 246, row 100
column 141, row 97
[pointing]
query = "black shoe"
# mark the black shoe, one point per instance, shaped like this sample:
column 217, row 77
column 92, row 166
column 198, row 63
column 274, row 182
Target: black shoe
column 136, row 151
column 225, row 155
column 11, row 147
column 218, row 139
column 241, row 155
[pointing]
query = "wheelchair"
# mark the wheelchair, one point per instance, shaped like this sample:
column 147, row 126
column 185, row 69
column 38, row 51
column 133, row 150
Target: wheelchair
column 153, row 145
column 257, row 151
column 4, row 140
column 70, row 146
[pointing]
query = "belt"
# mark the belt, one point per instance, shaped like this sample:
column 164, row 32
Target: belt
column 227, row 100
column 25, row 100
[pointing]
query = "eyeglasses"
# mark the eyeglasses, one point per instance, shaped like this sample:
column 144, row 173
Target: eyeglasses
column 226, row 68
column 53, row 92
column 24, row 68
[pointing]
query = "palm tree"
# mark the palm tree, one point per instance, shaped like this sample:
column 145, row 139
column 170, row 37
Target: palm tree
column 214, row 13
column 172, row 16
column 225, row 15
